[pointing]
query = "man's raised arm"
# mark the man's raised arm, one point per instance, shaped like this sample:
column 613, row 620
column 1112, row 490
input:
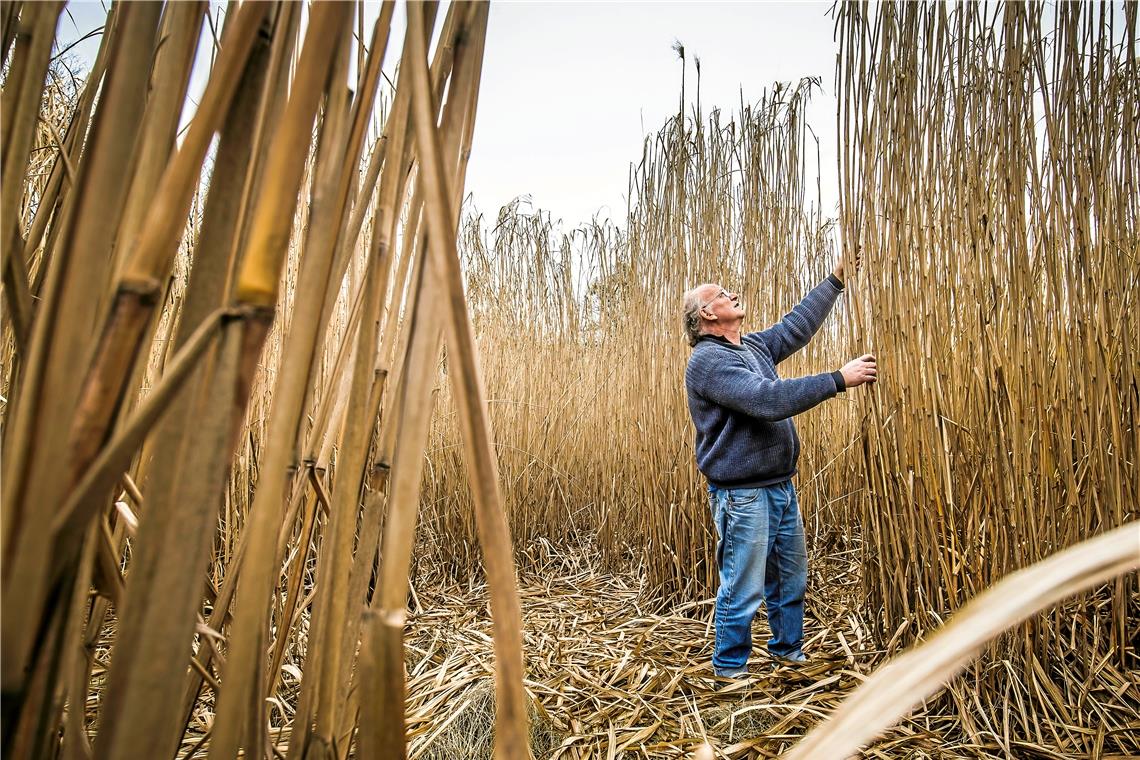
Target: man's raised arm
column 798, row 326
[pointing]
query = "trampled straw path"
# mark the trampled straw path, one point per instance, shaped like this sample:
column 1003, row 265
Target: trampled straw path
column 616, row 678
column 610, row 674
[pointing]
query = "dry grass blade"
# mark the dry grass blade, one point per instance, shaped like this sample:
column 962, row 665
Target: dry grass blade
column 910, row 678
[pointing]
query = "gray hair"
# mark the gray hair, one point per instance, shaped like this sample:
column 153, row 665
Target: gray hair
column 691, row 317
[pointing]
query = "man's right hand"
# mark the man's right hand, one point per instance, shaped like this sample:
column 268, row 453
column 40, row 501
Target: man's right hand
column 859, row 371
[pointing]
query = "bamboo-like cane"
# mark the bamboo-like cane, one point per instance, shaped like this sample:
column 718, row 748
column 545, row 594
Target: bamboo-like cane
column 9, row 24
column 338, row 604
column 114, row 458
column 181, row 447
column 133, row 678
column 289, row 610
column 457, row 27
column 32, row 28
column 318, row 706
column 318, row 447
column 243, row 686
column 75, row 744
column 139, row 285
column 163, row 598
column 382, row 661
column 56, row 198
column 257, row 285
column 21, row 104
column 362, row 109
column 382, row 676
column 174, row 55
column 895, row 688
column 36, row 436
column 382, row 682
column 441, row 68
column 163, row 530
column 350, row 223
column 511, row 716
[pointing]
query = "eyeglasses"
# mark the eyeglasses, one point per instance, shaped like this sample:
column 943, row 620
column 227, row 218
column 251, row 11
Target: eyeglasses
column 722, row 292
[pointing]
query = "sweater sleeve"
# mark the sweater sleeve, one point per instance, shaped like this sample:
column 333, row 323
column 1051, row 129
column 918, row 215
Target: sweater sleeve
column 798, row 326
column 735, row 386
column 840, row 383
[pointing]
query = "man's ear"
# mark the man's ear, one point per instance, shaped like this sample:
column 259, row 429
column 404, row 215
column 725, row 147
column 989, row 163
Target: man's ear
column 708, row 315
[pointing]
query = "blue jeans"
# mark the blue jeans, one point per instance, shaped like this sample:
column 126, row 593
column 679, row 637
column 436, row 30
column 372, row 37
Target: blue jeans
column 760, row 553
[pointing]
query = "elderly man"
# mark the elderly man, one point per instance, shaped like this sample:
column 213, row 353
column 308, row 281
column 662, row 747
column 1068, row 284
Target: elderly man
column 747, row 447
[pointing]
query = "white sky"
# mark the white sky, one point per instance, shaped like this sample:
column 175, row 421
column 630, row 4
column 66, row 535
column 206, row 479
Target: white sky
column 570, row 89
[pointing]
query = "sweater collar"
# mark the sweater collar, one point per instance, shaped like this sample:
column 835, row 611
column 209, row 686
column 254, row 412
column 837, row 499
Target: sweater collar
column 721, row 340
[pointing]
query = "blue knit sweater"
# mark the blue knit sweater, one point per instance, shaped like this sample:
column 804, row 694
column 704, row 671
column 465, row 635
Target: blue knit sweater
column 741, row 408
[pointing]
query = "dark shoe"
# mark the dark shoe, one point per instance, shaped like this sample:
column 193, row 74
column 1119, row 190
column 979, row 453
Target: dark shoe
column 738, row 673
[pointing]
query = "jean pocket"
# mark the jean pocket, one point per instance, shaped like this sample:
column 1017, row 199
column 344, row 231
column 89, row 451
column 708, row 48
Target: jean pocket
column 742, row 497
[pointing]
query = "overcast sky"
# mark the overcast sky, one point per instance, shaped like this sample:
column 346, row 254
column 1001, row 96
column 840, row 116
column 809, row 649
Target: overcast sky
column 570, row 89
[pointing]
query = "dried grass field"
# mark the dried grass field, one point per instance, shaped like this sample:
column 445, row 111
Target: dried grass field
column 306, row 457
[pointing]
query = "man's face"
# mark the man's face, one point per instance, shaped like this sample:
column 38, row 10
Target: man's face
column 720, row 304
